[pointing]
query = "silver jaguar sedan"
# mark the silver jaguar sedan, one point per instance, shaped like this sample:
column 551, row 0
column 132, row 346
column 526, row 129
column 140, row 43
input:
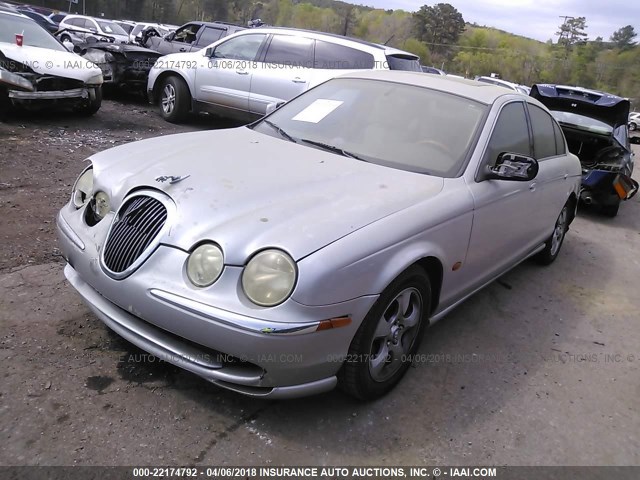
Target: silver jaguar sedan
column 312, row 248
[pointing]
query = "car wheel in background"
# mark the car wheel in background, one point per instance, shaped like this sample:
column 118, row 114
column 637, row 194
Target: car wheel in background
column 5, row 104
column 632, row 126
column 381, row 350
column 174, row 99
column 65, row 38
column 94, row 105
column 554, row 242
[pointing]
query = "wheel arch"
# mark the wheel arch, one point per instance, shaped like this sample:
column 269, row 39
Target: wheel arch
column 433, row 268
column 164, row 75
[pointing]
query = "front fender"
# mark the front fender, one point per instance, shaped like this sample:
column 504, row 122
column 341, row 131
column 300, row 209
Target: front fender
column 367, row 260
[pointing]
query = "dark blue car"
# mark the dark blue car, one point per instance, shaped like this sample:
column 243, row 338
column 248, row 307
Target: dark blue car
column 595, row 126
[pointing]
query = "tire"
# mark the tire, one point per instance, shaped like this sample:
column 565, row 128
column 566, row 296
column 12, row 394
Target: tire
column 554, row 242
column 633, row 126
column 381, row 350
column 94, row 105
column 5, row 104
column 65, row 38
column 610, row 210
column 174, row 99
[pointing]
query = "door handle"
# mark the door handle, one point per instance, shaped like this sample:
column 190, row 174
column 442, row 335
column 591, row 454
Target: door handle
column 298, row 80
column 532, row 187
column 183, row 49
column 242, row 72
column 566, row 175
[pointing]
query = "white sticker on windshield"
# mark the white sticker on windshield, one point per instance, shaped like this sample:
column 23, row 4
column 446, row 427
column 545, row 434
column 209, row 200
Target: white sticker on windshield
column 317, row 110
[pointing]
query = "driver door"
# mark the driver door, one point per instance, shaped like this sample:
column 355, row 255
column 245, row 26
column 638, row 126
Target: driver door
column 224, row 79
column 504, row 226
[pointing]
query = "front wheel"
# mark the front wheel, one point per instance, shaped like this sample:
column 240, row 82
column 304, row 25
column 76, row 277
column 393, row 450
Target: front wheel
column 633, row 126
column 554, row 242
column 94, row 104
column 381, row 350
column 174, row 100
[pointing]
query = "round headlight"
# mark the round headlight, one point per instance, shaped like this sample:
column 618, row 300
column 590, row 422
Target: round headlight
column 205, row 264
column 83, row 188
column 269, row 278
column 102, row 205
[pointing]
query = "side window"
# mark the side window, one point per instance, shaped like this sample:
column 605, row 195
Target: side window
column 244, row 47
column 91, row 25
column 510, row 133
column 544, row 138
column 330, row 56
column 210, row 35
column 291, row 51
column 136, row 30
column 561, row 148
column 186, row 34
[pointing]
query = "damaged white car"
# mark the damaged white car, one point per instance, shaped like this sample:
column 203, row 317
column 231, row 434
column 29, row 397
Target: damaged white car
column 37, row 71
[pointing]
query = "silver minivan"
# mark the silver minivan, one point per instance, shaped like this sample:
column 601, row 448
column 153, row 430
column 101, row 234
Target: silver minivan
column 241, row 75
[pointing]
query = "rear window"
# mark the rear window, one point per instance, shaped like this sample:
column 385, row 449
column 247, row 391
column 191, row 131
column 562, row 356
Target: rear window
column 330, row 56
column 404, row 62
column 290, row 50
column 210, row 35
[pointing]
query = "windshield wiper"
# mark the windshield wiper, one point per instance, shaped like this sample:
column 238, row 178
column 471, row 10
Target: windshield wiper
column 332, row 148
column 280, row 131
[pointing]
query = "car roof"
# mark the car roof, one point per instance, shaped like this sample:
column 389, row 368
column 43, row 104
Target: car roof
column 481, row 92
column 339, row 39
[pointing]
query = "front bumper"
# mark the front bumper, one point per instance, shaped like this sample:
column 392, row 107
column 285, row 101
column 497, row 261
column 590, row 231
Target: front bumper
column 266, row 352
column 50, row 95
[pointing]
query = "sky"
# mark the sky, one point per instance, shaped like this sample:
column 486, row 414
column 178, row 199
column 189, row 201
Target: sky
column 538, row 19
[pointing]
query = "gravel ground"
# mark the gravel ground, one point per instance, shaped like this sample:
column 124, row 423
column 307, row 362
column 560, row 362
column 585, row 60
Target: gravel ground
column 540, row 368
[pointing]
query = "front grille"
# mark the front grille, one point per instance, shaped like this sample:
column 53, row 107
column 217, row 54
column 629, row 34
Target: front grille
column 138, row 223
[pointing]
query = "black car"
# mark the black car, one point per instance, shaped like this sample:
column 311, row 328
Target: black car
column 122, row 65
column 190, row 37
column 595, row 126
column 41, row 20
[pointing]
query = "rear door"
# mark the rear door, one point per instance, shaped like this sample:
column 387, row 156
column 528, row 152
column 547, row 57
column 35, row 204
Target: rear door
column 553, row 176
column 282, row 73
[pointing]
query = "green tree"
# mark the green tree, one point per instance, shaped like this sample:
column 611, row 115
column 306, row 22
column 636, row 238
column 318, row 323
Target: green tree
column 623, row 38
column 439, row 26
column 572, row 32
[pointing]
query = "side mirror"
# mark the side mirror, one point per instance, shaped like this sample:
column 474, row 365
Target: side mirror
column 170, row 36
column 273, row 106
column 634, row 140
column 208, row 52
column 513, row 166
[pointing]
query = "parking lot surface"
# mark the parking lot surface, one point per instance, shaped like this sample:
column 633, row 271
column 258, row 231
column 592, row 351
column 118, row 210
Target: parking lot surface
column 540, row 368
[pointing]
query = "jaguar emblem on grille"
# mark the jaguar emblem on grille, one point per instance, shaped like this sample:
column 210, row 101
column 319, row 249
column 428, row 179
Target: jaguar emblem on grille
column 171, row 178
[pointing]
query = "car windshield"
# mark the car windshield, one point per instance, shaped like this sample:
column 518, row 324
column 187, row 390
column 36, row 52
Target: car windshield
column 34, row 34
column 369, row 120
column 111, row 27
column 582, row 122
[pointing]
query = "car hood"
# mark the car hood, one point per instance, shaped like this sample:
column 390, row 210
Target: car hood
column 607, row 108
column 51, row 62
column 248, row 191
column 122, row 48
